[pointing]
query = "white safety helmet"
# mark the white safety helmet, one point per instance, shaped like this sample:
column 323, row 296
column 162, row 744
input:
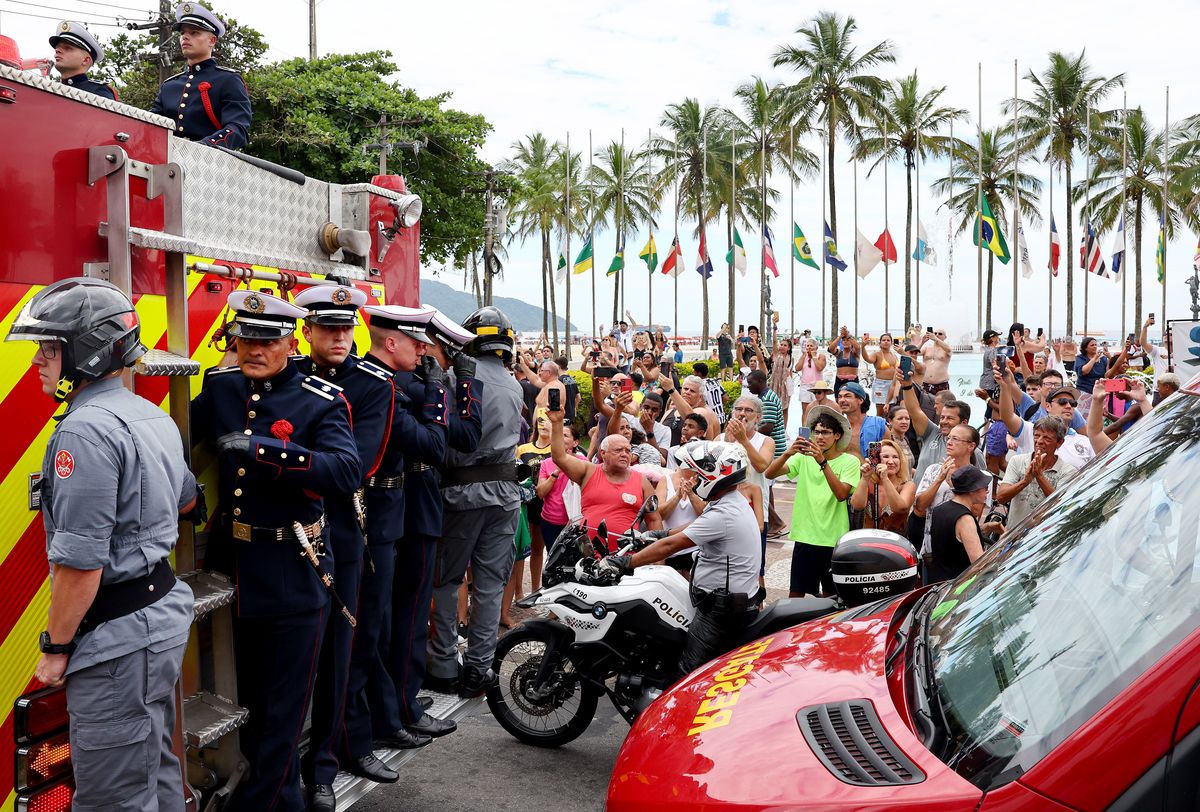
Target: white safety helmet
column 718, row 466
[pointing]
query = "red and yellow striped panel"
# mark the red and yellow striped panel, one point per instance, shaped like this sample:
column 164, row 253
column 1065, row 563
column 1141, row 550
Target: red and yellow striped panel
column 25, row 414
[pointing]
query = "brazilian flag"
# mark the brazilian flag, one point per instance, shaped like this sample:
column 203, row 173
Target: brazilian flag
column 991, row 234
column 618, row 260
column 801, row 250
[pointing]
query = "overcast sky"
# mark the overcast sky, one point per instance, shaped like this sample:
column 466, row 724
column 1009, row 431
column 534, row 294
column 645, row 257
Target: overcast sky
column 570, row 67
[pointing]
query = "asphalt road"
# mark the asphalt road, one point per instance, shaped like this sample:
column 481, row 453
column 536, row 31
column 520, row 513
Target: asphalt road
column 481, row 767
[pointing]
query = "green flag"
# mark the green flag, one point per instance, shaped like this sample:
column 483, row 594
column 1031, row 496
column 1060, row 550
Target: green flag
column 737, row 253
column 649, row 255
column 991, row 233
column 801, row 250
column 583, row 262
column 618, row 260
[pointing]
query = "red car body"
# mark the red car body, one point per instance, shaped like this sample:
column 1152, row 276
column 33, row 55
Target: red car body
column 731, row 736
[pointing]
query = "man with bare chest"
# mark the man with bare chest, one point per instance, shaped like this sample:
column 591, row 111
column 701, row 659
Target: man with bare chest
column 936, row 353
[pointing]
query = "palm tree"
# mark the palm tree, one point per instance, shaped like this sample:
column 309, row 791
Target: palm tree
column 962, row 196
column 908, row 119
column 766, row 117
column 537, row 167
column 686, row 161
column 624, row 194
column 837, row 79
column 1055, row 119
column 1140, row 176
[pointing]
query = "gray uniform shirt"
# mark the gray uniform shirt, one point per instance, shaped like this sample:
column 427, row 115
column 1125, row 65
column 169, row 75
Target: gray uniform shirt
column 113, row 481
column 729, row 540
column 497, row 440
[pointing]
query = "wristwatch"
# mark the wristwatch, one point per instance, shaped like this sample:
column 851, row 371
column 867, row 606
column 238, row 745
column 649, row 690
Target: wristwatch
column 54, row 648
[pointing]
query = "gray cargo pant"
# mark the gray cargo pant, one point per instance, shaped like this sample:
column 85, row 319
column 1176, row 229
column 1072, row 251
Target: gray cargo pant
column 122, row 717
column 483, row 538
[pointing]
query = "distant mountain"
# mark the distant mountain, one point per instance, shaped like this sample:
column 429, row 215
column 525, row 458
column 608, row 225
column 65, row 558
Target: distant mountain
column 458, row 305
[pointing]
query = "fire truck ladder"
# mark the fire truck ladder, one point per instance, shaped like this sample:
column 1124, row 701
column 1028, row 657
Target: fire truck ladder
column 207, row 718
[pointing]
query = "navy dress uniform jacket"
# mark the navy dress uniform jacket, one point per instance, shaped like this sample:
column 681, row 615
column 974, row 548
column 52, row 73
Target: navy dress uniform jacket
column 280, row 481
column 82, row 82
column 208, row 103
column 422, row 495
column 418, row 434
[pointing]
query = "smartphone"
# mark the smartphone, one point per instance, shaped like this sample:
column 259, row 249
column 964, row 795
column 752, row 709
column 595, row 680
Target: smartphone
column 804, row 433
column 555, row 398
column 929, row 329
column 1041, row 331
column 626, row 385
column 604, row 372
column 1116, row 384
column 595, row 354
column 873, row 452
column 665, row 368
column 1005, row 353
column 906, row 365
column 1152, row 318
column 741, row 328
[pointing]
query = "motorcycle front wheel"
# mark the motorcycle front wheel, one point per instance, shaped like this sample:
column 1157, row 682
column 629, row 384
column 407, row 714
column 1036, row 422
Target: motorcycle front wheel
column 546, row 715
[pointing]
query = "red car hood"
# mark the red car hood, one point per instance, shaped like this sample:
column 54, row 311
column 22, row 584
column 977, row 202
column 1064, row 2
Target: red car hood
column 728, row 735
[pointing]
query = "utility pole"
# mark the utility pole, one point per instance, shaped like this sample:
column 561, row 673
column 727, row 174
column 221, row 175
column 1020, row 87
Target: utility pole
column 312, row 35
column 385, row 146
column 164, row 31
column 491, row 227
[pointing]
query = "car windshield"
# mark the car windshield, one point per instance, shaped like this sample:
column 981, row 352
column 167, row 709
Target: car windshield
column 1098, row 584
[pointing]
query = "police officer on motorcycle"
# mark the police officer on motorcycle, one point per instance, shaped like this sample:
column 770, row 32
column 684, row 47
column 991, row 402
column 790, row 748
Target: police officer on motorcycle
column 725, row 575
column 114, row 482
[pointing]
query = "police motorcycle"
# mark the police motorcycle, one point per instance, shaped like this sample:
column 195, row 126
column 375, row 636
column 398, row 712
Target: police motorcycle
column 624, row 639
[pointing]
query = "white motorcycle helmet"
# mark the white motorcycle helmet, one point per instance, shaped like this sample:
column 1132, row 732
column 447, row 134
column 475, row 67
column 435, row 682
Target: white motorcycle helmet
column 719, row 466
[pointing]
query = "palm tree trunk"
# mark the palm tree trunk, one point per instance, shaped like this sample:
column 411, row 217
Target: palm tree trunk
column 553, row 304
column 987, row 322
column 704, row 281
column 547, row 281
column 833, row 273
column 731, row 317
column 617, row 284
column 1137, row 266
column 1070, row 259
column 907, row 242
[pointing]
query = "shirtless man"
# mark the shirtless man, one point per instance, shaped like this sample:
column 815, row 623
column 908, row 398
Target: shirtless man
column 886, row 363
column 936, row 353
column 545, row 379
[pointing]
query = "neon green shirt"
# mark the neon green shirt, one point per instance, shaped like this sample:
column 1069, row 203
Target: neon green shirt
column 818, row 518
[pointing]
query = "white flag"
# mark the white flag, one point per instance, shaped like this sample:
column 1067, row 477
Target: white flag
column 866, row 255
column 924, row 251
column 561, row 276
column 1023, row 250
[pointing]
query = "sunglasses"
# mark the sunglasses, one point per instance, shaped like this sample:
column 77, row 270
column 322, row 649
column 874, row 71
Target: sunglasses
column 1066, row 402
column 940, row 334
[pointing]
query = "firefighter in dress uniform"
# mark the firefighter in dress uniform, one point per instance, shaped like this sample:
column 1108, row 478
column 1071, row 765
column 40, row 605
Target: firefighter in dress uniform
column 412, row 588
column 283, row 444
column 398, row 342
column 367, row 387
column 207, row 102
column 75, row 52
column 114, row 484
column 481, row 504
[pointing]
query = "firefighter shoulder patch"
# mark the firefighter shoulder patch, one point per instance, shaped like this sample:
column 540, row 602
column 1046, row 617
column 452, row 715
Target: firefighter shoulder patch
column 64, row 464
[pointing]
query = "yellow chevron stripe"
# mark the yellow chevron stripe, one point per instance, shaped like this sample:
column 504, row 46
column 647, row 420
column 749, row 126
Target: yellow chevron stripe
column 18, row 657
column 14, row 355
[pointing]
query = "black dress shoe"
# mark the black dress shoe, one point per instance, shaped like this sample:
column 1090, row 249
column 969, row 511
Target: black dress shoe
column 322, row 799
column 442, row 685
column 432, row 726
column 475, row 684
column 425, row 702
column 404, row 740
column 373, row 769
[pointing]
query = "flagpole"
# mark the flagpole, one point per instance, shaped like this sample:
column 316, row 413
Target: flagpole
column 650, row 276
column 950, row 225
column 619, row 282
column 824, row 242
column 592, row 237
column 857, row 259
column 1016, row 215
column 567, row 258
column 979, row 211
column 792, row 215
column 1087, row 208
column 1050, row 263
column 917, row 161
column 762, row 237
column 1165, row 210
column 1124, row 203
column 887, row 234
column 733, row 228
column 675, row 161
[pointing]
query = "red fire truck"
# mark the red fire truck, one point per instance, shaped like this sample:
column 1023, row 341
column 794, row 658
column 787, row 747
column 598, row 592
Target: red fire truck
column 98, row 188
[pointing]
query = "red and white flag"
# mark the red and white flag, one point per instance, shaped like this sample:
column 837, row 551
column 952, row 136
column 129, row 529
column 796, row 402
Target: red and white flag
column 769, row 251
column 673, row 264
column 1055, row 246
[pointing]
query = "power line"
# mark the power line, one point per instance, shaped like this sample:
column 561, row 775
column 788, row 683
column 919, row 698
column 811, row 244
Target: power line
column 94, row 23
column 44, row 7
column 114, row 5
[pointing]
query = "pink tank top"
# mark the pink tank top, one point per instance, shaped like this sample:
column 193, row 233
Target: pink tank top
column 615, row 503
column 809, row 372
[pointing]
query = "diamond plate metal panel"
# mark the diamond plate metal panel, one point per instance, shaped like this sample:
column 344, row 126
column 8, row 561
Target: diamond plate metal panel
column 54, row 86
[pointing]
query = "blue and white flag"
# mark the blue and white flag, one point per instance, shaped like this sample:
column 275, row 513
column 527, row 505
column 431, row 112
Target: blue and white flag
column 831, row 252
column 1118, row 257
column 924, row 252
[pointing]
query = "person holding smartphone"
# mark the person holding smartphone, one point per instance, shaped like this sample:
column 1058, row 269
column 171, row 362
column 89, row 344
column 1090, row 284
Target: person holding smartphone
column 886, row 491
